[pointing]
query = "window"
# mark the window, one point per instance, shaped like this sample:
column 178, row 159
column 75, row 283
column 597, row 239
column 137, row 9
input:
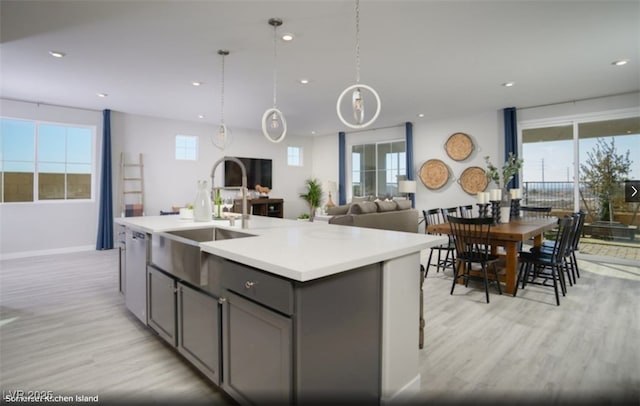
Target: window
column 377, row 168
column 44, row 161
column 186, row 147
column 294, row 156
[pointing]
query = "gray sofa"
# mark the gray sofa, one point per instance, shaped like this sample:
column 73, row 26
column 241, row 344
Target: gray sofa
column 396, row 215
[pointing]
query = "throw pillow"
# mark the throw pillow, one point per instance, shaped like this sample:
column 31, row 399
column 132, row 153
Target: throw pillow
column 338, row 210
column 386, row 206
column 403, row 204
column 363, row 208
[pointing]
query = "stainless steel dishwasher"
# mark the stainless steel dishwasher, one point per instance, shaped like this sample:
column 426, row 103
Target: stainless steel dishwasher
column 135, row 293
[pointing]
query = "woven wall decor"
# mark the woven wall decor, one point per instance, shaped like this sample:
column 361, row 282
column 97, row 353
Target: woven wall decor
column 473, row 180
column 434, row 174
column 459, row 146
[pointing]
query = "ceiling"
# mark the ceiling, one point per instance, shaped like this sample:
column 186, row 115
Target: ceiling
column 439, row 58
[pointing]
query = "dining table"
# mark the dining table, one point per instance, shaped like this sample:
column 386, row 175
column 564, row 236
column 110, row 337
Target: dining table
column 509, row 236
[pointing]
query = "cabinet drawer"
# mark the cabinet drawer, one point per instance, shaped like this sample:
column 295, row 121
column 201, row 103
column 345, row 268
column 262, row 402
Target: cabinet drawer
column 259, row 286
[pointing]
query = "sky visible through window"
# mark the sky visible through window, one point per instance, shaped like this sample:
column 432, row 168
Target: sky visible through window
column 60, row 149
column 555, row 158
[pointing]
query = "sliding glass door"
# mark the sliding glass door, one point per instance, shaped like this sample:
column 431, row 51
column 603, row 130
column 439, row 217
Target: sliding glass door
column 581, row 164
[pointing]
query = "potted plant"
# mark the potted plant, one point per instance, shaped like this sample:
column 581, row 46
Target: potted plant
column 313, row 197
column 502, row 177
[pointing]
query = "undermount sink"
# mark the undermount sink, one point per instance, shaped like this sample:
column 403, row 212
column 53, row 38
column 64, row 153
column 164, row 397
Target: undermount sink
column 178, row 252
column 198, row 235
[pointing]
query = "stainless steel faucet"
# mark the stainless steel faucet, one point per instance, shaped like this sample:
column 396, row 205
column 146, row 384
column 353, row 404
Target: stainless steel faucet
column 245, row 215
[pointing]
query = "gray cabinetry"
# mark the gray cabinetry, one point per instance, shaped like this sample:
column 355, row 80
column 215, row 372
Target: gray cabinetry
column 135, row 273
column 199, row 330
column 257, row 352
column 162, row 304
column 292, row 342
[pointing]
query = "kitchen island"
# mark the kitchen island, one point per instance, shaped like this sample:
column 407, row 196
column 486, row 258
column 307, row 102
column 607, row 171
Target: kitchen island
column 308, row 311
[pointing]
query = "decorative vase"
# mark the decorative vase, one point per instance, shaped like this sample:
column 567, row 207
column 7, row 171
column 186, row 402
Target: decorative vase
column 505, row 206
column 202, row 204
column 504, row 214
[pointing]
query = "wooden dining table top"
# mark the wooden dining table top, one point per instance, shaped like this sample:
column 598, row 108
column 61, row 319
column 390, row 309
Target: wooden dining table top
column 515, row 230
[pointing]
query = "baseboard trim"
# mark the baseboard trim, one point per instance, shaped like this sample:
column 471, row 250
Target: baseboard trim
column 38, row 253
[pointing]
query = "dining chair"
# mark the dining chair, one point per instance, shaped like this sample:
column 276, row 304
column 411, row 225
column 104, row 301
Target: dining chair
column 466, row 211
column 535, row 211
column 471, row 238
column 569, row 255
column 539, row 266
column 434, row 216
column 450, row 211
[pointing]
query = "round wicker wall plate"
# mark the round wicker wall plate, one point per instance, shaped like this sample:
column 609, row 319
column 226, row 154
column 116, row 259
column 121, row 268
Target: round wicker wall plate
column 434, row 174
column 459, row 146
column 473, row 180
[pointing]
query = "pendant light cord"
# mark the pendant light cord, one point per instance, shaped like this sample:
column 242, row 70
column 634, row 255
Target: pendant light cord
column 357, row 41
column 275, row 58
column 222, row 92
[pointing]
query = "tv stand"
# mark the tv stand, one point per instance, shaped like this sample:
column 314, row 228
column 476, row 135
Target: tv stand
column 261, row 207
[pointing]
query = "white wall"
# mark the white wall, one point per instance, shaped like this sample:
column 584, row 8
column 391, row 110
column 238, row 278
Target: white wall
column 169, row 182
column 40, row 228
column 50, row 227
column 429, row 138
column 324, row 155
column 36, row 228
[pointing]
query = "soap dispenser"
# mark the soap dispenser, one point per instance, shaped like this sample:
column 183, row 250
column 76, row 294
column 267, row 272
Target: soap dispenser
column 202, row 205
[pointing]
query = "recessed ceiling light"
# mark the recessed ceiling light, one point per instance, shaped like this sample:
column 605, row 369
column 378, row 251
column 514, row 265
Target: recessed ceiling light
column 620, row 62
column 313, row 133
column 420, row 115
column 57, row 54
column 200, row 115
column 102, row 95
column 287, row 37
column 508, row 84
column 196, row 83
column 304, row 81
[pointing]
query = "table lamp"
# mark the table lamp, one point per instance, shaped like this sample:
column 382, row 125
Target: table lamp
column 407, row 187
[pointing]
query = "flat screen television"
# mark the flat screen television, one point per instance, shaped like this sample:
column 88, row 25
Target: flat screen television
column 258, row 173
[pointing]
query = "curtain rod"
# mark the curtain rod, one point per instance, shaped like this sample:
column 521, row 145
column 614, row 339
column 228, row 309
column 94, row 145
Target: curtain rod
column 50, row 104
column 578, row 100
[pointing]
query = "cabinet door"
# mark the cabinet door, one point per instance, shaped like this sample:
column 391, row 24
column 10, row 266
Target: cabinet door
column 199, row 330
column 257, row 353
column 162, row 304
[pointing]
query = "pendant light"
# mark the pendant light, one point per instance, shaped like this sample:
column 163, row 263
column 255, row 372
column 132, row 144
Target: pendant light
column 357, row 101
column 222, row 137
column 274, row 125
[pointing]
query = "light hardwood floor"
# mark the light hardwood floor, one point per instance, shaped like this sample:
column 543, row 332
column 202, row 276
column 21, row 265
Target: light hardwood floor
column 64, row 328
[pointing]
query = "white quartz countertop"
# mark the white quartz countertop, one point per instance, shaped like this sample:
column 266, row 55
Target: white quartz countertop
column 298, row 250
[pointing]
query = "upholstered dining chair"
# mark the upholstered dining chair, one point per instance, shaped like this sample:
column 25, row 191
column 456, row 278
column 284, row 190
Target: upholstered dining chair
column 434, row 216
column 471, row 238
